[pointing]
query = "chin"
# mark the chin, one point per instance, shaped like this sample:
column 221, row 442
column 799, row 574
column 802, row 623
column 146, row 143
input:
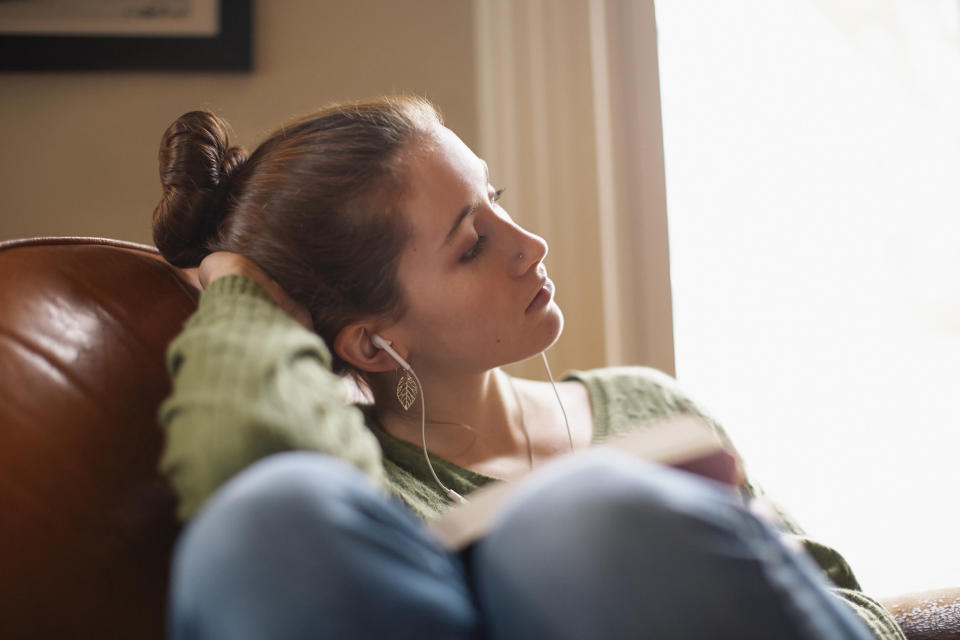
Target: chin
column 552, row 328
column 535, row 341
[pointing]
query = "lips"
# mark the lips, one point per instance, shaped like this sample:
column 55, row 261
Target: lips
column 543, row 296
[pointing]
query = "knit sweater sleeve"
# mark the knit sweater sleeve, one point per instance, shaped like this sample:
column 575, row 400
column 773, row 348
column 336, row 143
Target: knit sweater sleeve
column 247, row 382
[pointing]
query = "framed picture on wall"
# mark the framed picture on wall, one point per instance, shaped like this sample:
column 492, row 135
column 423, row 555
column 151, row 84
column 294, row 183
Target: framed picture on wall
column 117, row 35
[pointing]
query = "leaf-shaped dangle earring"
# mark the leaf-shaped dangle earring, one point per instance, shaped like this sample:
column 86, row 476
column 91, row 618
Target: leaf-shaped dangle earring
column 406, row 389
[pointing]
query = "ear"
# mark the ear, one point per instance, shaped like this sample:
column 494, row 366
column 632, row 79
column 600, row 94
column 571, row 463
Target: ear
column 354, row 344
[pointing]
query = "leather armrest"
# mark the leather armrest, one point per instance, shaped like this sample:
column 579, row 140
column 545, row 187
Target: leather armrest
column 87, row 520
column 927, row 615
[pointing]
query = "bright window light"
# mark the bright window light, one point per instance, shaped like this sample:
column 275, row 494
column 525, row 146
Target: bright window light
column 813, row 192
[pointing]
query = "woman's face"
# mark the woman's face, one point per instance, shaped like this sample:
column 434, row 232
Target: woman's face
column 475, row 285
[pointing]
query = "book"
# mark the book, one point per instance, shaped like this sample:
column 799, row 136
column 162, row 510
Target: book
column 684, row 442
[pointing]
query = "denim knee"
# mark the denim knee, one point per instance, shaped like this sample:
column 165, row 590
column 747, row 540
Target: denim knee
column 246, row 536
column 606, row 546
column 278, row 496
column 302, row 544
column 591, row 502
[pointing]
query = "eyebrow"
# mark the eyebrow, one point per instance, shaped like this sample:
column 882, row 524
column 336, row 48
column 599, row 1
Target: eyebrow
column 467, row 210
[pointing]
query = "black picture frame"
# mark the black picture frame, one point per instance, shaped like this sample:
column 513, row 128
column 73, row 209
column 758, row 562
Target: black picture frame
column 229, row 50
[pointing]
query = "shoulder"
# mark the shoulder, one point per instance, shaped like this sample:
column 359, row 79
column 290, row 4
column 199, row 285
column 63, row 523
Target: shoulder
column 616, row 376
column 624, row 397
column 637, row 385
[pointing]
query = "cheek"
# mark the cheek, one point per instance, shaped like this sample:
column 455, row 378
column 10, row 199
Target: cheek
column 466, row 296
column 475, row 315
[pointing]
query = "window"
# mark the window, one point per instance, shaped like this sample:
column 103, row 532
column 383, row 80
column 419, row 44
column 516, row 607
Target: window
column 812, row 152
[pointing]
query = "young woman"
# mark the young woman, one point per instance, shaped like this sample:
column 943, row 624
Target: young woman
column 367, row 238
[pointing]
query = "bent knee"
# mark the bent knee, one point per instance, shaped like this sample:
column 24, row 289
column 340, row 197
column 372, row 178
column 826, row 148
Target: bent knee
column 614, row 489
column 606, row 506
column 607, row 527
column 293, row 475
column 275, row 499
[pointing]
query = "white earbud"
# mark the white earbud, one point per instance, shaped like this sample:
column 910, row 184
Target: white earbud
column 380, row 343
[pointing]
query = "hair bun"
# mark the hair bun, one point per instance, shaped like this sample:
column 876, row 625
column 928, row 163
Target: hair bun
column 196, row 165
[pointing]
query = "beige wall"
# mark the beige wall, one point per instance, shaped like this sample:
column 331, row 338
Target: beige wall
column 78, row 152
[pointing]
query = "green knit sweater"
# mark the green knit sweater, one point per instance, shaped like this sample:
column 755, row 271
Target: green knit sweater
column 248, row 381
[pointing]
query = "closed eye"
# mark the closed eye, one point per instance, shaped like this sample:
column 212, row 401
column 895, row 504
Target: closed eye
column 475, row 249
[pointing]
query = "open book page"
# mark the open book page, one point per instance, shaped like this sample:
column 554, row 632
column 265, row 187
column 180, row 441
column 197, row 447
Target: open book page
column 684, row 442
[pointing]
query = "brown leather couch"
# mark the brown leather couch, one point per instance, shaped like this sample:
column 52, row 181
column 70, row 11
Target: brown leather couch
column 87, row 523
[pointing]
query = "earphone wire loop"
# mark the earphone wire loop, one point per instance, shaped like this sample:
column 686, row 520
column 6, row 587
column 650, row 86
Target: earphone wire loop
column 423, row 426
column 383, row 344
column 423, row 440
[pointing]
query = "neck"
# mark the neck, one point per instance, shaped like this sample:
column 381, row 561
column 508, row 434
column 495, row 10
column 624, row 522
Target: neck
column 469, row 417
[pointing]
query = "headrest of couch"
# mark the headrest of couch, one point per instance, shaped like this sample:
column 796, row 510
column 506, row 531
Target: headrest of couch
column 88, row 523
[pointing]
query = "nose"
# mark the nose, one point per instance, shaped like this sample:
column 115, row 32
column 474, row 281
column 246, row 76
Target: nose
column 530, row 251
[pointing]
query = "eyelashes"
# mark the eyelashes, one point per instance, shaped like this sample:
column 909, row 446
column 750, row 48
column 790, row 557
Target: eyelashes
column 474, row 250
column 477, row 247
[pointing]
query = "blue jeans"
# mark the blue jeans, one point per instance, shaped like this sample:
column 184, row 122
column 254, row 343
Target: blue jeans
column 301, row 545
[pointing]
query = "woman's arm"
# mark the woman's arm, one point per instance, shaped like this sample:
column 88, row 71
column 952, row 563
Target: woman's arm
column 220, row 264
column 248, row 381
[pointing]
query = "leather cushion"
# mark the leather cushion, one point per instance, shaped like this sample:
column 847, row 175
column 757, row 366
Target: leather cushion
column 87, row 521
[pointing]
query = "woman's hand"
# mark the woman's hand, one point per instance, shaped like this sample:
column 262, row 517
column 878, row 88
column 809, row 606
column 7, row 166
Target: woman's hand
column 225, row 263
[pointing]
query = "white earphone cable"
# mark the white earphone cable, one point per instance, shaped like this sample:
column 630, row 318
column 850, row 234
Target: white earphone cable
column 423, row 440
column 553, row 384
column 383, row 344
column 423, row 426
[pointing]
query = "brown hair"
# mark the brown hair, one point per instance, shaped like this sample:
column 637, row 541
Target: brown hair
column 314, row 205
